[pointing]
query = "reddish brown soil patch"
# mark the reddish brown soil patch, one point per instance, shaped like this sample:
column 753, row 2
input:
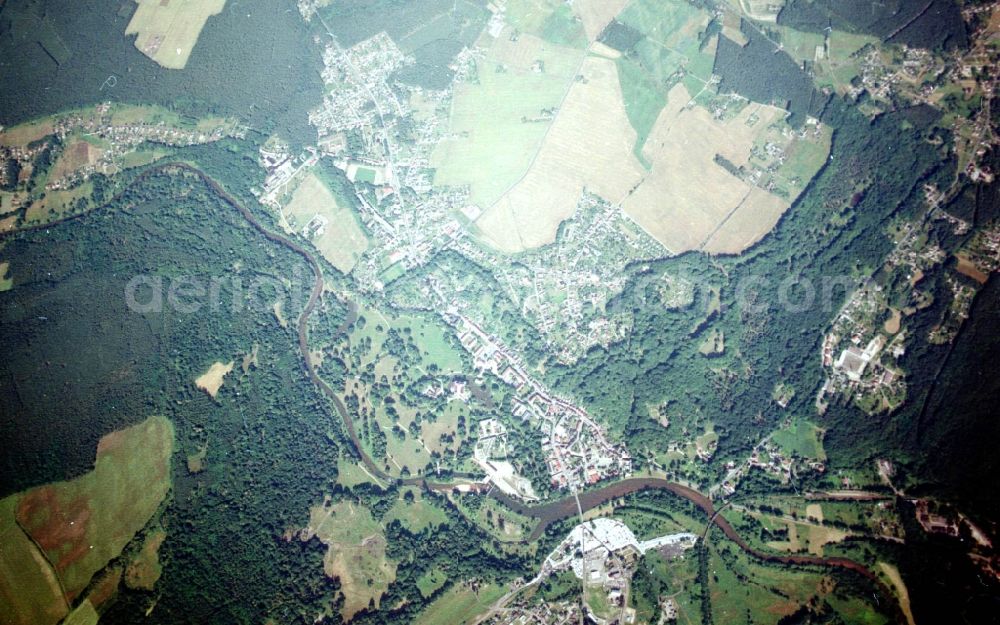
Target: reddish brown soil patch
column 106, row 587
column 55, row 527
column 968, row 268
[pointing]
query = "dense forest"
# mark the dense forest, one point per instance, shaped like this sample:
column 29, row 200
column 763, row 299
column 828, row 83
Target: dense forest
column 760, row 72
column 933, row 24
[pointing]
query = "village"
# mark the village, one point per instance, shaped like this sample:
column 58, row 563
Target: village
column 576, row 448
column 102, row 140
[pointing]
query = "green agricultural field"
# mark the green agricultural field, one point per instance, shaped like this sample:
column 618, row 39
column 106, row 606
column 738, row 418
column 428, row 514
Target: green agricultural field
column 801, row 438
column 498, row 121
column 29, row 588
column 431, row 581
column 460, row 604
column 106, row 507
column 416, row 515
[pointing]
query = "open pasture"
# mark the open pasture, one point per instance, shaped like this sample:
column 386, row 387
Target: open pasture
column 460, row 604
column 802, row 439
column 355, row 555
column 415, row 515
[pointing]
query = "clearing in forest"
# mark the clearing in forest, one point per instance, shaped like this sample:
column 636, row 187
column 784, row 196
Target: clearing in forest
column 356, row 553
column 211, row 380
column 167, row 30
column 144, row 570
column 315, row 214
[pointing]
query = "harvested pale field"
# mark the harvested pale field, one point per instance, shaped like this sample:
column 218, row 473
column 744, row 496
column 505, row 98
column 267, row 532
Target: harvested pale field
column 499, row 121
column 606, row 51
column 815, row 512
column 588, row 147
column 821, row 536
column 211, row 380
column 597, row 14
column 356, row 553
column 167, row 30
column 688, row 201
column 8, row 223
column 334, row 231
column 900, row 586
column 968, row 268
column 893, row 322
column 746, row 223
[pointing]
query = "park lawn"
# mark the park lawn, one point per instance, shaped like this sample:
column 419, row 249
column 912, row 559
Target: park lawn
column 460, row 604
column 487, row 517
column 434, row 344
column 350, row 473
column 445, row 424
column 803, row 439
column 415, row 516
column 431, row 581
column 407, row 452
column 106, row 507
